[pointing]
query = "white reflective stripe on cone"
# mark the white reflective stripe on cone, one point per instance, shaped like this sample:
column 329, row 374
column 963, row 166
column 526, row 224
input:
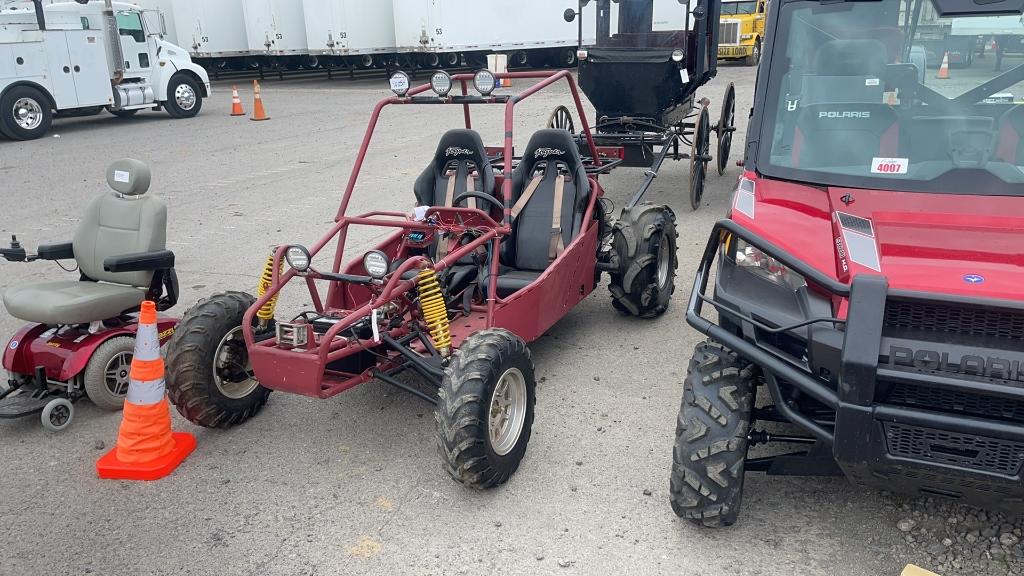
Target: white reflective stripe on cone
column 145, row 393
column 147, row 343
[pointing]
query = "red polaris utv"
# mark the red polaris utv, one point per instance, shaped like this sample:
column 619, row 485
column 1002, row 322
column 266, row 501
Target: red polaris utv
column 499, row 247
column 870, row 274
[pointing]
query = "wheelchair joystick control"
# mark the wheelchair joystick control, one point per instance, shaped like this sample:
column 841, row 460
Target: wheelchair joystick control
column 16, row 253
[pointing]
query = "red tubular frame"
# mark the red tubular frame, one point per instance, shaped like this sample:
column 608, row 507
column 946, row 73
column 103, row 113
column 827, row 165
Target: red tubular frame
column 329, row 350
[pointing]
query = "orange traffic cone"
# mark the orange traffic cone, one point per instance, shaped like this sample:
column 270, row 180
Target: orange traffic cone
column 236, row 103
column 258, row 113
column 146, row 448
column 944, row 69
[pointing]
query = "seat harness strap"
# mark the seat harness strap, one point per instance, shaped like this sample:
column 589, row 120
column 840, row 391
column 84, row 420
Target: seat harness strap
column 527, row 194
column 557, row 245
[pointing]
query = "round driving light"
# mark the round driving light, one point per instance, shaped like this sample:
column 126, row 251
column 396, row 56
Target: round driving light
column 298, row 258
column 441, row 83
column 677, row 56
column 582, row 54
column 376, row 264
column 485, row 82
column 400, row 83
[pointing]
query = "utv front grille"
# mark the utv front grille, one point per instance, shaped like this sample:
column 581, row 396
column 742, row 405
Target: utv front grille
column 964, row 450
column 955, row 319
column 953, row 402
column 729, row 32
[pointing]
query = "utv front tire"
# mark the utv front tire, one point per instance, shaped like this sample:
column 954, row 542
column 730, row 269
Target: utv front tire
column 485, row 407
column 644, row 241
column 710, row 450
column 209, row 377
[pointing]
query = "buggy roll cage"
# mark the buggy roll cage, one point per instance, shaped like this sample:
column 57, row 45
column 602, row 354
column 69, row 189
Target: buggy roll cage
column 330, row 348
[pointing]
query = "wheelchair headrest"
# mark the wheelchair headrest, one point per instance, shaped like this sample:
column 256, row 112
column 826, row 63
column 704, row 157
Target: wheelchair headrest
column 128, row 177
column 551, row 145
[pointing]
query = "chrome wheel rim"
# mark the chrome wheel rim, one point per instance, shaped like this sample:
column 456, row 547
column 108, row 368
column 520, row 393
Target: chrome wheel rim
column 28, row 114
column 664, row 262
column 232, row 370
column 185, row 97
column 507, row 412
column 117, row 374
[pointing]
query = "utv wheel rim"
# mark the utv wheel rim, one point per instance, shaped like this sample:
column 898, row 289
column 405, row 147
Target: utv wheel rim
column 507, row 413
column 117, row 375
column 28, row 114
column 232, row 370
column 664, row 262
column 185, row 97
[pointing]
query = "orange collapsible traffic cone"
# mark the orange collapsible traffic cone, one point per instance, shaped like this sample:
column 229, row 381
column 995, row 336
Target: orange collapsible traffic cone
column 258, row 113
column 236, row 103
column 944, row 69
column 146, row 448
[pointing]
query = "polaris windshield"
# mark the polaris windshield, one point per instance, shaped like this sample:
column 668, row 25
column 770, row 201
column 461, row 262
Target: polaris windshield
column 891, row 95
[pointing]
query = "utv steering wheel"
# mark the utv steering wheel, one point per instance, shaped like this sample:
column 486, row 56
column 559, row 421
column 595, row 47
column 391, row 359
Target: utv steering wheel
column 479, row 196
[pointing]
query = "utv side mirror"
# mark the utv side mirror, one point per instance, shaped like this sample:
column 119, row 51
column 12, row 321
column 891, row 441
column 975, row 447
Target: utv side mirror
column 569, row 15
column 699, row 12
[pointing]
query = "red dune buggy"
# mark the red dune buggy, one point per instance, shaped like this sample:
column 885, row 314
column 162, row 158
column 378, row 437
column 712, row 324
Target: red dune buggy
column 499, row 248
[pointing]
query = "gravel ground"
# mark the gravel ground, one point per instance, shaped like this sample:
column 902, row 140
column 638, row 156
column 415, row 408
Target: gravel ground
column 352, row 485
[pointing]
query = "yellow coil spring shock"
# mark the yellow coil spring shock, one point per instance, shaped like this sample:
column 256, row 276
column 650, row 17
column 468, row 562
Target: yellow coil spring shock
column 435, row 313
column 266, row 312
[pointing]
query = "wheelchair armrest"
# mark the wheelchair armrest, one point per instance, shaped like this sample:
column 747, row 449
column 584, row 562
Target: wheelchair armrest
column 62, row 251
column 140, row 262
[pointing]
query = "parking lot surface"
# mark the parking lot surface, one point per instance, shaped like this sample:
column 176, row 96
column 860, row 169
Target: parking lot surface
column 352, row 485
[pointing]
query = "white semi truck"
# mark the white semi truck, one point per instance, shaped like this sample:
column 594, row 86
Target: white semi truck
column 82, row 57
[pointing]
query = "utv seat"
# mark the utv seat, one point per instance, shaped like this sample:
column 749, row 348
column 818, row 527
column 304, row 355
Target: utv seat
column 459, row 165
column 840, row 135
column 846, row 71
column 126, row 222
column 1010, row 143
column 550, row 192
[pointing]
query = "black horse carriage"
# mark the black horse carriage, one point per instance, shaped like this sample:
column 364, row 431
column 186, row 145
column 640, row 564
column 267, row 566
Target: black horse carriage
column 642, row 77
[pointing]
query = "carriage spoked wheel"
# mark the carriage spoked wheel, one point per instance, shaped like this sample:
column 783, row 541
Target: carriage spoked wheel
column 699, row 157
column 561, row 118
column 726, row 126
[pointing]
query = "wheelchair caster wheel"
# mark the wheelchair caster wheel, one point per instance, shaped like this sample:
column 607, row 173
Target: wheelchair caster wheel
column 57, row 414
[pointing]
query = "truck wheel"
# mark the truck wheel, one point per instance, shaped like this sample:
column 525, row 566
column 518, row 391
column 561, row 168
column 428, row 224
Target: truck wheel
column 485, row 409
column 107, row 375
column 25, row 113
column 755, row 55
column 644, row 240
column 209, row 377
column 711, row 437
column 184, row 98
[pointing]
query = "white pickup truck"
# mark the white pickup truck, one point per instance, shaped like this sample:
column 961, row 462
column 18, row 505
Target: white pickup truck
column 78, row 58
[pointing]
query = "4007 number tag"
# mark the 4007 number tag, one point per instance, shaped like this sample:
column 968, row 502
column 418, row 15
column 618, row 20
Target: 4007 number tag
column 889, row 165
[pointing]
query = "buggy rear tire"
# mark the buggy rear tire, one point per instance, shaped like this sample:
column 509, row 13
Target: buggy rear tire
column 699, row 156
column 726, row 127
column 107, row 375
column 644, row 242
column 485, row 406
column 208, row 375
column 711, row 443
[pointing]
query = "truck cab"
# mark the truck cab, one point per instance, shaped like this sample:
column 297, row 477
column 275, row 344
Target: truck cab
column 78, row 59
column 741, row 30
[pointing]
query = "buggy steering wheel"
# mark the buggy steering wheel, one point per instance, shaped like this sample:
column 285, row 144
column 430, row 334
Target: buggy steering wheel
column 480, row 196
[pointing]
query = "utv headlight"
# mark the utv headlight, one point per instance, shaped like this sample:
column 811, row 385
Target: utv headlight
column 376, row 264
column 441, row 83
column 763, row 265
column 298, row 258
column 400, row 84
column 485, row 82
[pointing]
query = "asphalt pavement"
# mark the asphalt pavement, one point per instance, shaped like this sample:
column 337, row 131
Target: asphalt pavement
column 352, row 485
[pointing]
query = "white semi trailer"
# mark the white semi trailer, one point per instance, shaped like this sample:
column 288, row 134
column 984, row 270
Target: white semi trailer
column 72, row 58
column 276, row 31
column 351, row 32
column 532, row 32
